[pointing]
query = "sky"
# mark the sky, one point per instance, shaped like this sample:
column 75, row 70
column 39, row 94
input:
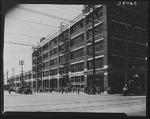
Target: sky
column 26, row 24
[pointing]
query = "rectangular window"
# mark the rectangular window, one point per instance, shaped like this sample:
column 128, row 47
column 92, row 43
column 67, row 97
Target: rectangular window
column 53, row 72
column 45, row 47
column 64, row 59
column 77, row 40
column 45, row 56
column 77, row 53
column 53, row 62
column 77, row 67
column 72, row 79
column 45, row 65
column 64, row 47
column 64, row 36
column 77, row 26
column 64, row 70
column 53, row 42
column 46, row 73
column 53, row 52
column 98, row 63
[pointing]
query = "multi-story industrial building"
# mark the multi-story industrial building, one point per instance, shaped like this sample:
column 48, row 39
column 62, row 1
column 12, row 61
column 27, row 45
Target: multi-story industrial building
column 19, row 80
column 121, row 40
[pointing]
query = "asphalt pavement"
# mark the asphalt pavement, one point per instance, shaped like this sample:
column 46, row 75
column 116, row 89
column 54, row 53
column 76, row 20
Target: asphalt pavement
column 74, row 102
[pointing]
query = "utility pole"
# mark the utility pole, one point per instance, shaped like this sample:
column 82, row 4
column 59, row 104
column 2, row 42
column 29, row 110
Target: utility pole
column 88, row 9
column 93, row 53
column 13, row 75
column 21, row 62
column 7, row 77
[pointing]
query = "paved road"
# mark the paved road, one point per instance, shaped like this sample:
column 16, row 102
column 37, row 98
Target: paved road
column 72, row 102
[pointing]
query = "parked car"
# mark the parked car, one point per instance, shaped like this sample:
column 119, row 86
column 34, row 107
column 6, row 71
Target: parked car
column 18, row 90
column 23, row 90
column 27, row 91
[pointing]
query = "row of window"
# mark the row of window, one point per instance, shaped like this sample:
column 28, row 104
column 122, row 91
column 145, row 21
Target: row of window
column 77, row 79
column 75, row 41
column 77, row 67
column 98, row 63
column 64, row 70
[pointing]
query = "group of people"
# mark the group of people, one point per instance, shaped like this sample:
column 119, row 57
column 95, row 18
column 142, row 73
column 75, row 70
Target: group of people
column 132, row 90
column 61, row 89
column 92, row 90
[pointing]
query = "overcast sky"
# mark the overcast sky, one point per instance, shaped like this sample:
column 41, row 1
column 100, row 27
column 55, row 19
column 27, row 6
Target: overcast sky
column 26, row 24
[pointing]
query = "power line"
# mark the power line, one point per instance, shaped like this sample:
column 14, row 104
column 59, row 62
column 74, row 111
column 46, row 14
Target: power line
column 29, row 21
column 23, row 35
column 42, row 13
column 56, row 11
column 19, row 43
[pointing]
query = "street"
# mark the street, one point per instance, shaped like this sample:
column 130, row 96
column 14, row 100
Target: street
column 73, row 102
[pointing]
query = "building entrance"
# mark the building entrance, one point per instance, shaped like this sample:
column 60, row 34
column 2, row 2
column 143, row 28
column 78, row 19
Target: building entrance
column 99, row 81
column 53, row 83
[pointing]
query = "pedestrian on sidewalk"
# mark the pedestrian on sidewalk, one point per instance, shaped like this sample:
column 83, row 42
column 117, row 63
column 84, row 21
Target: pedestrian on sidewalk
column 9, row 90
column 62, row 90
column 78, row 89
column 125, row 90
column 109, row 90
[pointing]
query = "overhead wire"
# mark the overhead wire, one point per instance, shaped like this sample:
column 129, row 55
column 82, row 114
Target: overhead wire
column 55, row 10
column 29, row 21
column 19, row 43
column 42, row 13
column 23, row 35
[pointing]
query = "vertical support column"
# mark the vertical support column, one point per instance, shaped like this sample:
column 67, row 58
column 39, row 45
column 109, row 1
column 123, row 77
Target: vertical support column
column 105, row 46
column 36, row 84
column 69, row 33
column 85, row 52
column 49, row 83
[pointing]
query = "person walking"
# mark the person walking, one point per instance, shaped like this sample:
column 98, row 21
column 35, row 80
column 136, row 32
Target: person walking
column 109, row 90
column 78, row 90
column 62, row 90
column 9, row 90
column 125, row 90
